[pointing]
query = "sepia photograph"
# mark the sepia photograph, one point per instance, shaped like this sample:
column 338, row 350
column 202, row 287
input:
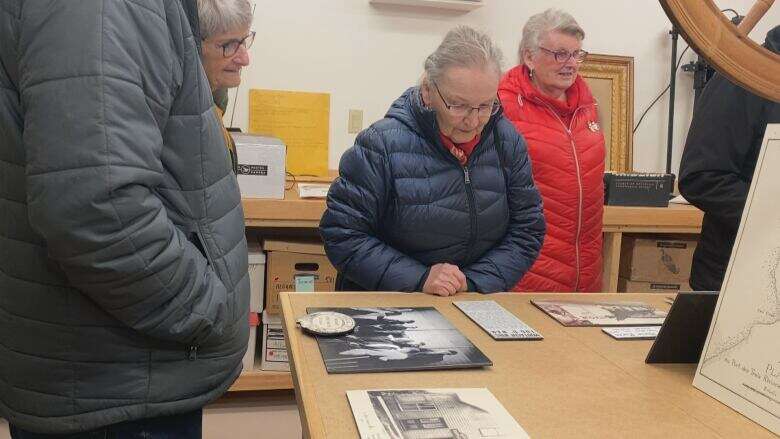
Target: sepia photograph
column 601, row 313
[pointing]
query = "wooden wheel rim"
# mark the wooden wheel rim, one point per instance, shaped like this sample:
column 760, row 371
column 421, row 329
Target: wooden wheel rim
column 718, row 41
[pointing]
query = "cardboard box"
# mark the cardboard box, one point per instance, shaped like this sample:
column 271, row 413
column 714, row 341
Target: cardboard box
column 635, row 286
column 291, row 258
column 256, row 276
column 274, row 346
column 653, row 258
column 261, row 166
column 249, row 356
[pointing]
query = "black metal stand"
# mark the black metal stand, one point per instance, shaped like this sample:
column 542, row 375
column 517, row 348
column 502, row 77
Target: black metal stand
column 672, row 85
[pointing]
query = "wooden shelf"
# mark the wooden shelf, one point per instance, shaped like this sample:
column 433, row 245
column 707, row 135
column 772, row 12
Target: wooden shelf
column 295, row 212
column 677, row 218
column 458, row 5
column 262, row 380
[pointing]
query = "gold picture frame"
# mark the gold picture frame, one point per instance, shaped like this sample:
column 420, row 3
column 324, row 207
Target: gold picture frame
column 611, row 80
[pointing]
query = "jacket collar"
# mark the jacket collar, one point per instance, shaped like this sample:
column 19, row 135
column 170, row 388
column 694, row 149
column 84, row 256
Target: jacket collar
column 410, row 110
column 191, row 11
column 518, row 82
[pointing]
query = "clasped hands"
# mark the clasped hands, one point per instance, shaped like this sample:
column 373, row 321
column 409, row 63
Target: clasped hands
column 445, row 280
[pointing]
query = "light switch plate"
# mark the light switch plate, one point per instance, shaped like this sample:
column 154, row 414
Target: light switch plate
column 355, row 123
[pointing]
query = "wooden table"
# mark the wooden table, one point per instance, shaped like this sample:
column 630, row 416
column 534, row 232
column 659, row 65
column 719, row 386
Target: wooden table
column 576, row 382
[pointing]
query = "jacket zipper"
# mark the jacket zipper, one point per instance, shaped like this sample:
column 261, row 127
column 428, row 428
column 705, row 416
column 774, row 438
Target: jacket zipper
column 192, row 350
column 470, row 200
column 472, row 213
column 579, row 187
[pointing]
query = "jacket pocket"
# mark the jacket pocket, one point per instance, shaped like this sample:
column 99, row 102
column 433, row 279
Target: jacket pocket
column 220, row 271
column 197, row 241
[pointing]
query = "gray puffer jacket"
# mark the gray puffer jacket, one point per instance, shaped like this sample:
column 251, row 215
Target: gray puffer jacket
column 123, row 262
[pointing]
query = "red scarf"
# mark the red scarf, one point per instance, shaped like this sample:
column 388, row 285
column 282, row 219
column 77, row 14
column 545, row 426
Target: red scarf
column 461, row 151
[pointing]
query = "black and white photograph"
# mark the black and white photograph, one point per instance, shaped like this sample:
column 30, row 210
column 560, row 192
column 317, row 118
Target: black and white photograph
column 431, row 413
column 396, row 339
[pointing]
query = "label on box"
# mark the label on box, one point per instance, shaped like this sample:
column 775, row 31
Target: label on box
column 276, row 355
column 276, row 344
column 275, row 347
column 252, row 169
column 633, row 332
column 660, row 286
column 497, row 321
column 671, row 244
column 304, row 283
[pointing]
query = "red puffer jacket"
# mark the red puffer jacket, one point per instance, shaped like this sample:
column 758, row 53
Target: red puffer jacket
column 566, row 147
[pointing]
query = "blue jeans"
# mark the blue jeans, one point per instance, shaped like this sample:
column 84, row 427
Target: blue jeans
column 184, row 426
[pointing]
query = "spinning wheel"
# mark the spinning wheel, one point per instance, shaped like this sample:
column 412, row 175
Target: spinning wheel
column 727, row 47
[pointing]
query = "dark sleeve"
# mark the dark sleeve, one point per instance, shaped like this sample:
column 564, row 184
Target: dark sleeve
column 727, row 124
column 93, row 149
column 502, row 266
column 350, row 226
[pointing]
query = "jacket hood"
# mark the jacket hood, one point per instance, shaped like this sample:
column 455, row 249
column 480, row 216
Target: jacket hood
column 191, row 11
column 773, row 40
column 518, row 82
column 410, row 110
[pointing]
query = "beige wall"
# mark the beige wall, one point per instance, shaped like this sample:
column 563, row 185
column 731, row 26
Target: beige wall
column 366, row 55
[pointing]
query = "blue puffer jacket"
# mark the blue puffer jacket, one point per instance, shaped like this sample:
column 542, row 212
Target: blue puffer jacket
column 402, row 203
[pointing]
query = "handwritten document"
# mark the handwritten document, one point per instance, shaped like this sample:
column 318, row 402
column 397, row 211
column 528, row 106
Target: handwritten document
column 301, row 120
column 740, row 362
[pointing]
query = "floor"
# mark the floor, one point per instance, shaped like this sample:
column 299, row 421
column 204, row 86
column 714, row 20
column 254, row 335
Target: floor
column 266, row 414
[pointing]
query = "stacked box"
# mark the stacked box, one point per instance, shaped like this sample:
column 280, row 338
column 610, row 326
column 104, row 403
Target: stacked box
column 256, row 276
column 274, row 348
column 653, row 263
column 289, row 259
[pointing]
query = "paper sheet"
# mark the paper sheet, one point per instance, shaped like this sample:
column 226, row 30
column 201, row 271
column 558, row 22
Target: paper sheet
column 301, row 120
column 313, row 190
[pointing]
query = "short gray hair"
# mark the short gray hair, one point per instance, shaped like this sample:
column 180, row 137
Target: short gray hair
column 219, row 16
column 463, row 46
column 548, row 21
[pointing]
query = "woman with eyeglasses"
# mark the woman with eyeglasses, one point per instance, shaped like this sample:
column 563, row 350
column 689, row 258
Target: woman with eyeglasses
column 553, row 108
column 224, row 27
column 437, row 196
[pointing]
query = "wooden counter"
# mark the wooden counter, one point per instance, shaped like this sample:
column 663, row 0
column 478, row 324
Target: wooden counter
column 577, row 382
column 295, row 212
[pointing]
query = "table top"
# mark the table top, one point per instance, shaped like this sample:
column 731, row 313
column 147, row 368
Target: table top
column 575, row 382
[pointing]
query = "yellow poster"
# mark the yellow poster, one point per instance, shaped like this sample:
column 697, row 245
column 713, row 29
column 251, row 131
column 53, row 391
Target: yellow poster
column 301, row 120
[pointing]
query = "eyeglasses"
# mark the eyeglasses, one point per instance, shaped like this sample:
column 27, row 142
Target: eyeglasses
column 231, row 47
column 463, row 110
column 562, row 56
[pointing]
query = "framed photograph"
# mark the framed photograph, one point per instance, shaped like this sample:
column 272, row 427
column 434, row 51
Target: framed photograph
column 611, row 79
column 397, row 339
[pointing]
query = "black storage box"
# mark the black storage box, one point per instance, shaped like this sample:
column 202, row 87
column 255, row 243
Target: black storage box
column 637, row 189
